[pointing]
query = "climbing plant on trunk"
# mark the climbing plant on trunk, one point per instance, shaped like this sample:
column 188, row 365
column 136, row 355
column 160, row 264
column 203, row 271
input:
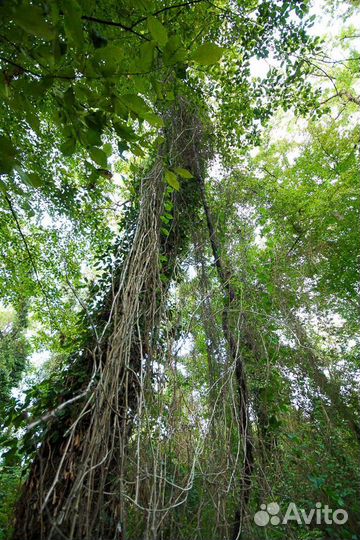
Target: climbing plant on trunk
column 168, row 87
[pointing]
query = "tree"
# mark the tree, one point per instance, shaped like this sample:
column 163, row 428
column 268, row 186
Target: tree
column 164, row 89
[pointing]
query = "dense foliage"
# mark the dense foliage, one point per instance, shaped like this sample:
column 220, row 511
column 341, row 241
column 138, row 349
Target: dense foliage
column 179, row 239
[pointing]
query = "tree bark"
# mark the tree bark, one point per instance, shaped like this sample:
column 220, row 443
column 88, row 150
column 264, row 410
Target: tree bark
column 229, row 297
column 75, row 486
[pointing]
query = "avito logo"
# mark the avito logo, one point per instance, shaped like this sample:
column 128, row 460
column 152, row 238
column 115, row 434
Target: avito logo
column 320, row 514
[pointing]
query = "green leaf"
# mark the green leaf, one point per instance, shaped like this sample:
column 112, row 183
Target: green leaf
column 73, row 23
column 107, row 147
column 174, row 51
column 124, row 131
column 37, row 89
column 146, row 56
column 35, row 180
column 141, row 84
column 7, row 155
column 99, row 157
column 136, row 104
column 91, row 137
column 31, row 19
column 110, row 53
column 108, row 58
column 207, row 54
column 68, row 147
column 3, row 187
column 184, row 173
column 4, row 89
column 172, row 180
column 157, row 30
column 154, row 120
column 137, row 151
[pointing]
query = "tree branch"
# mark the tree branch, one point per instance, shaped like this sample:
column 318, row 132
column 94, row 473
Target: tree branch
column 167, row 8
column 114, row 23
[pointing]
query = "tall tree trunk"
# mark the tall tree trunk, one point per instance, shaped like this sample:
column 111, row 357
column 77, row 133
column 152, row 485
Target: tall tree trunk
column 208, row 320
column 234, row 350
column 75, row 487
